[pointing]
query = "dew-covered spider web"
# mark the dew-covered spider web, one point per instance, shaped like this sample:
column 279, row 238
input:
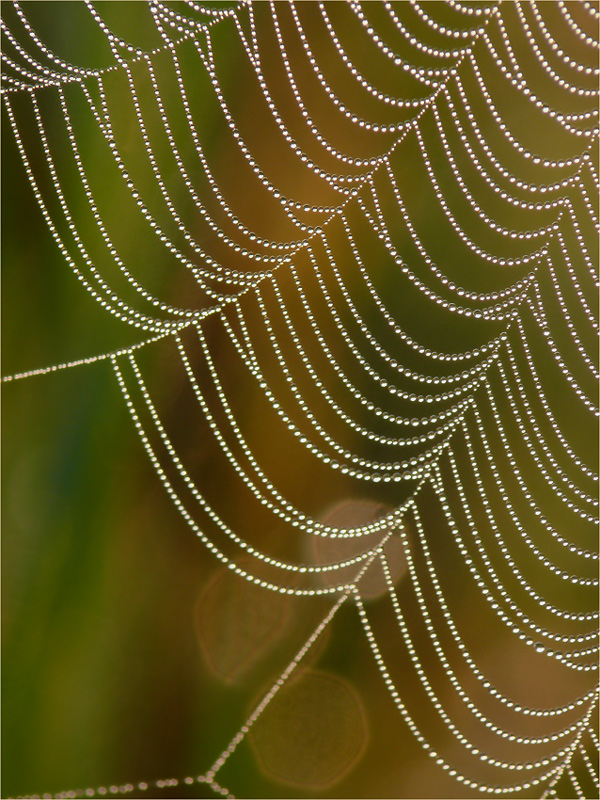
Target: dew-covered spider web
column 300, row 357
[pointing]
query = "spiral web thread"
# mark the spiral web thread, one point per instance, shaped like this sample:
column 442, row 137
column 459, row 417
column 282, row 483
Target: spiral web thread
column 447, row 416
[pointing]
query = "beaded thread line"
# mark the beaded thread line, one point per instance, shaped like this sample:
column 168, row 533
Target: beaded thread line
column 493, row 691
column 209, row 776
column 583, row 513
column 519, row 295
column 466, row 508
column 541, row 442
column 305, row 569
column 75, row 74
column 135, row 314
column 426, row 745
column 439, row 707
column 512, row 512
column 526, row 637
column 417, row 589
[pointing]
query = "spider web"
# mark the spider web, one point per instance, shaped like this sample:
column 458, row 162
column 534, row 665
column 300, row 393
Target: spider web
column 397, row 265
